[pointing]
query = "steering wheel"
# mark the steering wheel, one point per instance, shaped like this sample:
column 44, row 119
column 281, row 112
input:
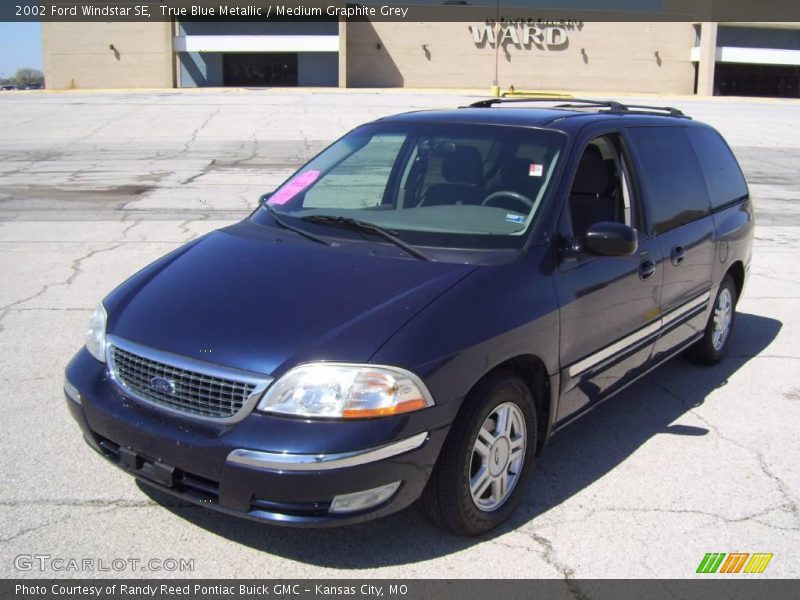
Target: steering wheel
column 507, row 194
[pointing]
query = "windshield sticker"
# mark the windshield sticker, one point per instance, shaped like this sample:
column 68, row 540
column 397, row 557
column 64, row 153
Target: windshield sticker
column 515, row 218
column 293, row 187
column 536, row 170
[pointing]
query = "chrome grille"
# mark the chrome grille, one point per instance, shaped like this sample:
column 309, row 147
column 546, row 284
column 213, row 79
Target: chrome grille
column 185, row 390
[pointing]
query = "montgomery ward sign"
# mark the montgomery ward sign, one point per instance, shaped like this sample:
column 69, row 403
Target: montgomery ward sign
column 523, row 35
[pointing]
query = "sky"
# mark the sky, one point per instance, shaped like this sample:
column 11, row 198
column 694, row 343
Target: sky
column 20, row 46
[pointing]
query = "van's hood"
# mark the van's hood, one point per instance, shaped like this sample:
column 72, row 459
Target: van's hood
column 241, row 298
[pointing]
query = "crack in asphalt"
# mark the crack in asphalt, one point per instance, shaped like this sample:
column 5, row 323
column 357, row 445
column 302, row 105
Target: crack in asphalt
column 193, row 137
column 678, row 511
column 304, row 118
column 777, row 278
column 128, row 229
column 34, row 529
column 87, row 503
column 202, row 172
column 549, row 556
column 790, row 502
column 104, row 506
column 76, row 267
column 36, row 157
column 183, row 227
column 253, row 140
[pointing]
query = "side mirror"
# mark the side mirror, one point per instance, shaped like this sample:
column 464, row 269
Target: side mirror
column 262, row 199
column 611, row 239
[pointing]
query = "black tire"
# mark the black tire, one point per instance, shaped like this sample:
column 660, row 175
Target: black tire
column 704, row 351
column 447, row 499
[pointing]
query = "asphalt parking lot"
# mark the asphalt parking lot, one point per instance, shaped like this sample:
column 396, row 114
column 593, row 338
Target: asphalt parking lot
column 94, row 186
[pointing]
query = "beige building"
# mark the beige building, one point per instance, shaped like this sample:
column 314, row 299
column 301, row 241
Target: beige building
column 108, row 55
column 679, row 58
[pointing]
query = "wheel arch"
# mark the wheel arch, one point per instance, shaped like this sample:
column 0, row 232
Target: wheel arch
column 531, row 369
column 736, row 271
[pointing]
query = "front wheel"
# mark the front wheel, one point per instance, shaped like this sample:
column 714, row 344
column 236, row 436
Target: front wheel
column 713, row 346
column 480, row 476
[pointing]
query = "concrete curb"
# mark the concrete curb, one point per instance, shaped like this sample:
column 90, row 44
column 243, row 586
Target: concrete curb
column 481, row 93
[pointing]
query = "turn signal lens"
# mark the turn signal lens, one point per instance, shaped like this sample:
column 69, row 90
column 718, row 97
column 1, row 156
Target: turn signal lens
column 347, row 503
column 71, row 391
column 96, row 334
column 346, row 392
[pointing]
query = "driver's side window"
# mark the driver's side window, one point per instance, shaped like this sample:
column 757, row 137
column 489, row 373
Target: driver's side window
column 601, row 188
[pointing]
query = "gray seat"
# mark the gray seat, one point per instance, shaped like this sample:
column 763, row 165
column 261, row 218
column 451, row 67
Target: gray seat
column 462, row 171
column 588, row 200
column 515, row 176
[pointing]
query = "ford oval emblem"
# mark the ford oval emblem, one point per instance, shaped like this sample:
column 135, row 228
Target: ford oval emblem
column 163, row 385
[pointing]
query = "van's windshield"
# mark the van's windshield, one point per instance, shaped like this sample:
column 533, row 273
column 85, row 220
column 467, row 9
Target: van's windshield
column 454, row 185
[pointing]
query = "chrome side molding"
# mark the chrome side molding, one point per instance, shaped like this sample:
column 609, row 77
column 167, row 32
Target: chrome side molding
column 634, row 338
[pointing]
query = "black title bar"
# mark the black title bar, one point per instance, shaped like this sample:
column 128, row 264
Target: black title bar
column 409, row 589
column 421, row 10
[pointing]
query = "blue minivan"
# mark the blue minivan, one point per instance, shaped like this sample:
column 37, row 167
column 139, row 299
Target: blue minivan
column 417, row 310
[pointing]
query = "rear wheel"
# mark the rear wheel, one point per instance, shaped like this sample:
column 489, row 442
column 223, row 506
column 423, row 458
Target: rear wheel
column 480, row 476
column 713, row 346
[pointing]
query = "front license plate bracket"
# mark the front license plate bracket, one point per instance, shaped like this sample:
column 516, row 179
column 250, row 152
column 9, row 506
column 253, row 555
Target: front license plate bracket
column 155, row 471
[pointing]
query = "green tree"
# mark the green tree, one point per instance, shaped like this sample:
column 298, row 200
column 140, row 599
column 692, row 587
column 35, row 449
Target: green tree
column 26, row 76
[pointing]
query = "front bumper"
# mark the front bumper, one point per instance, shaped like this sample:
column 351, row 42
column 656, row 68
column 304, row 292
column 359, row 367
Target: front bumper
column 275, row 469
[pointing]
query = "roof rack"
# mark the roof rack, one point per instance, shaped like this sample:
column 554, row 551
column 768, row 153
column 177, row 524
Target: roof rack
column 612, row 106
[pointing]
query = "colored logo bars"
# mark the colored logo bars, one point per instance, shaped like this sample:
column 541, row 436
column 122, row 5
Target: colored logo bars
column 736, row 562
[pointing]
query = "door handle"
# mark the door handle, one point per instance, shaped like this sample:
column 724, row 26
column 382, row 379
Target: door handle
column 678, row 254
column 647, row 268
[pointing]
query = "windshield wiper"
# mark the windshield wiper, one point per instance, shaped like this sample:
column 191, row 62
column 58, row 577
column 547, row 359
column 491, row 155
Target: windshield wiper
column 274, row 214
column 387, row 234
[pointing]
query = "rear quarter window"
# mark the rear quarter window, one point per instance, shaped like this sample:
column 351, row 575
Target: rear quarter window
column 721, row 171
column 670, row 176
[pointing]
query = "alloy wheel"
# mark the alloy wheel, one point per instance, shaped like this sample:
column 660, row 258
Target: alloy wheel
column 498, row 455
column 723, row 315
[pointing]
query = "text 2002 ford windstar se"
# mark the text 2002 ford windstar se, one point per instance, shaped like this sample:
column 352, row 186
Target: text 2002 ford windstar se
column 417, row 310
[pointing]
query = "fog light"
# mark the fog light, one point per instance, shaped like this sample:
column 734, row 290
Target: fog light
column 72, row 392
column 362, row 500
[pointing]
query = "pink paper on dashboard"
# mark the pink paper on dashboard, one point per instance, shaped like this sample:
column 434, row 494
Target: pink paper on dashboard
column 294, row 187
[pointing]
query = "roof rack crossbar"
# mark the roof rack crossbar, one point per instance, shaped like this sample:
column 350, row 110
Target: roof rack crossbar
column 611, row 105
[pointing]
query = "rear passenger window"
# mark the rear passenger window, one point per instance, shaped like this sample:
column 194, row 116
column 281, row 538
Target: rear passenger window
column 674, row 188
column 723, row 176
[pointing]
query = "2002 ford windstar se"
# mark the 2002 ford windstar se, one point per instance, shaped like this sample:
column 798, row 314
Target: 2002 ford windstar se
column 417, row 310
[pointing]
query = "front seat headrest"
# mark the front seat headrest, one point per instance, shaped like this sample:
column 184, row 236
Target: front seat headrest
column 592, row 175
column 463, row 165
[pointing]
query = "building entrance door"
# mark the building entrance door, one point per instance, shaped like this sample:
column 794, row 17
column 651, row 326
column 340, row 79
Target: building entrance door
column 731, row 79
column 259, row 69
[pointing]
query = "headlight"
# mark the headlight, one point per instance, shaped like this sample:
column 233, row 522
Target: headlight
column 345, row 392
column 96, row 334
